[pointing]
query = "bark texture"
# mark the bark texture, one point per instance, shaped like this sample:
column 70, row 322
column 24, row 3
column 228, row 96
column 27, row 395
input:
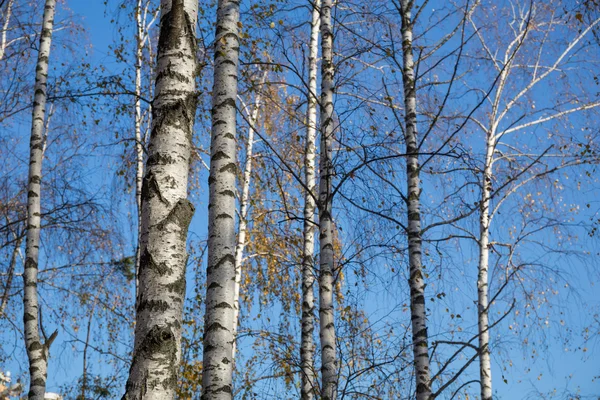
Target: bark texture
column 329, row 364
column 485, row 365
column 166, row 211
column 416, row 282
column 307, row 345
column 37, row 352
column 220, row 274
column 6, row 15
column 139, row 149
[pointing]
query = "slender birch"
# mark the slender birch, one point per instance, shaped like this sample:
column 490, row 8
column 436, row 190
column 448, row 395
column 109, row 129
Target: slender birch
column 244, row 202
column 417, row 285
column 485, row 367
column 11, row 273
column 6, row 15
column 142, row 36
column 37, row 352
column 220, row 292
column 329, row 363
column 166, row 211
column 502, row 103
column 307, row 345
column 139, row 149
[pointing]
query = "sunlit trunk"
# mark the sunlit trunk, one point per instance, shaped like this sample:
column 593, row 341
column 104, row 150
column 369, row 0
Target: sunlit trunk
column 416, row 282
column 329, row 363
column 244, row 203
column 219, row 328
column 6, row 17
column 139, row 149
column 37, row 351
column 307, row 345
column 485, row 366
column 166, row 211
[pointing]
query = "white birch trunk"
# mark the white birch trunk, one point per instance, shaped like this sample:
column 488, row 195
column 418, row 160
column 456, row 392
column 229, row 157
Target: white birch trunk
column 329, row 367
column 142, row 36
column 220, row 274
column 485, row 367
column 166, row 211
column 37, row 351
column 242, row 228
column 6, row 16
column 416, row 282
column 307, row 345
column 139, row 150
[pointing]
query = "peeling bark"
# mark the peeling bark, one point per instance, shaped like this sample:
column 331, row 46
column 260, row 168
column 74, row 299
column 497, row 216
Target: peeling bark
column 166, row 211
column 416, row 282
column 220, row 274
column 37, row 352
column 329, row 363
column 307, row 345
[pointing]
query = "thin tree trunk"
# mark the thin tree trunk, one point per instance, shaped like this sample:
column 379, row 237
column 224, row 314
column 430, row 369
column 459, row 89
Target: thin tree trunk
column 244, row 201
column 416, row 282
column 142, row 35
column 220, row 274
column 307, row 346
column 84, row 378
column 329, row 367
column 166, row 211
column 139, row 149
column 37, row 351
column 6, row 16
column 11, row 274
column 485, row 367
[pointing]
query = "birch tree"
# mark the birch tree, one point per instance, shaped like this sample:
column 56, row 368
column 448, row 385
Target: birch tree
column 220, row 274
column 166, row 211
column 329, row 362
column 307, row 346
column 416, row 282
column 439, row 61
column 19, row 25
column 253, row 114
column 6, row 16
column 271, row 273
column 145, row 17
column 505, row 118
column 37, row 350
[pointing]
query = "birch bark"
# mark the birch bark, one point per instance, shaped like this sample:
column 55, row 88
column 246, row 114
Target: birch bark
column 503, row 103
column 139, row 150
column 244, row 200
column 485, row 367
column 417, row 285
column 142, row 36
column 327, row 330
column 307, row 345
column 166, row 212
column 37, row 352
column 220, row 274
column 6, row 17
